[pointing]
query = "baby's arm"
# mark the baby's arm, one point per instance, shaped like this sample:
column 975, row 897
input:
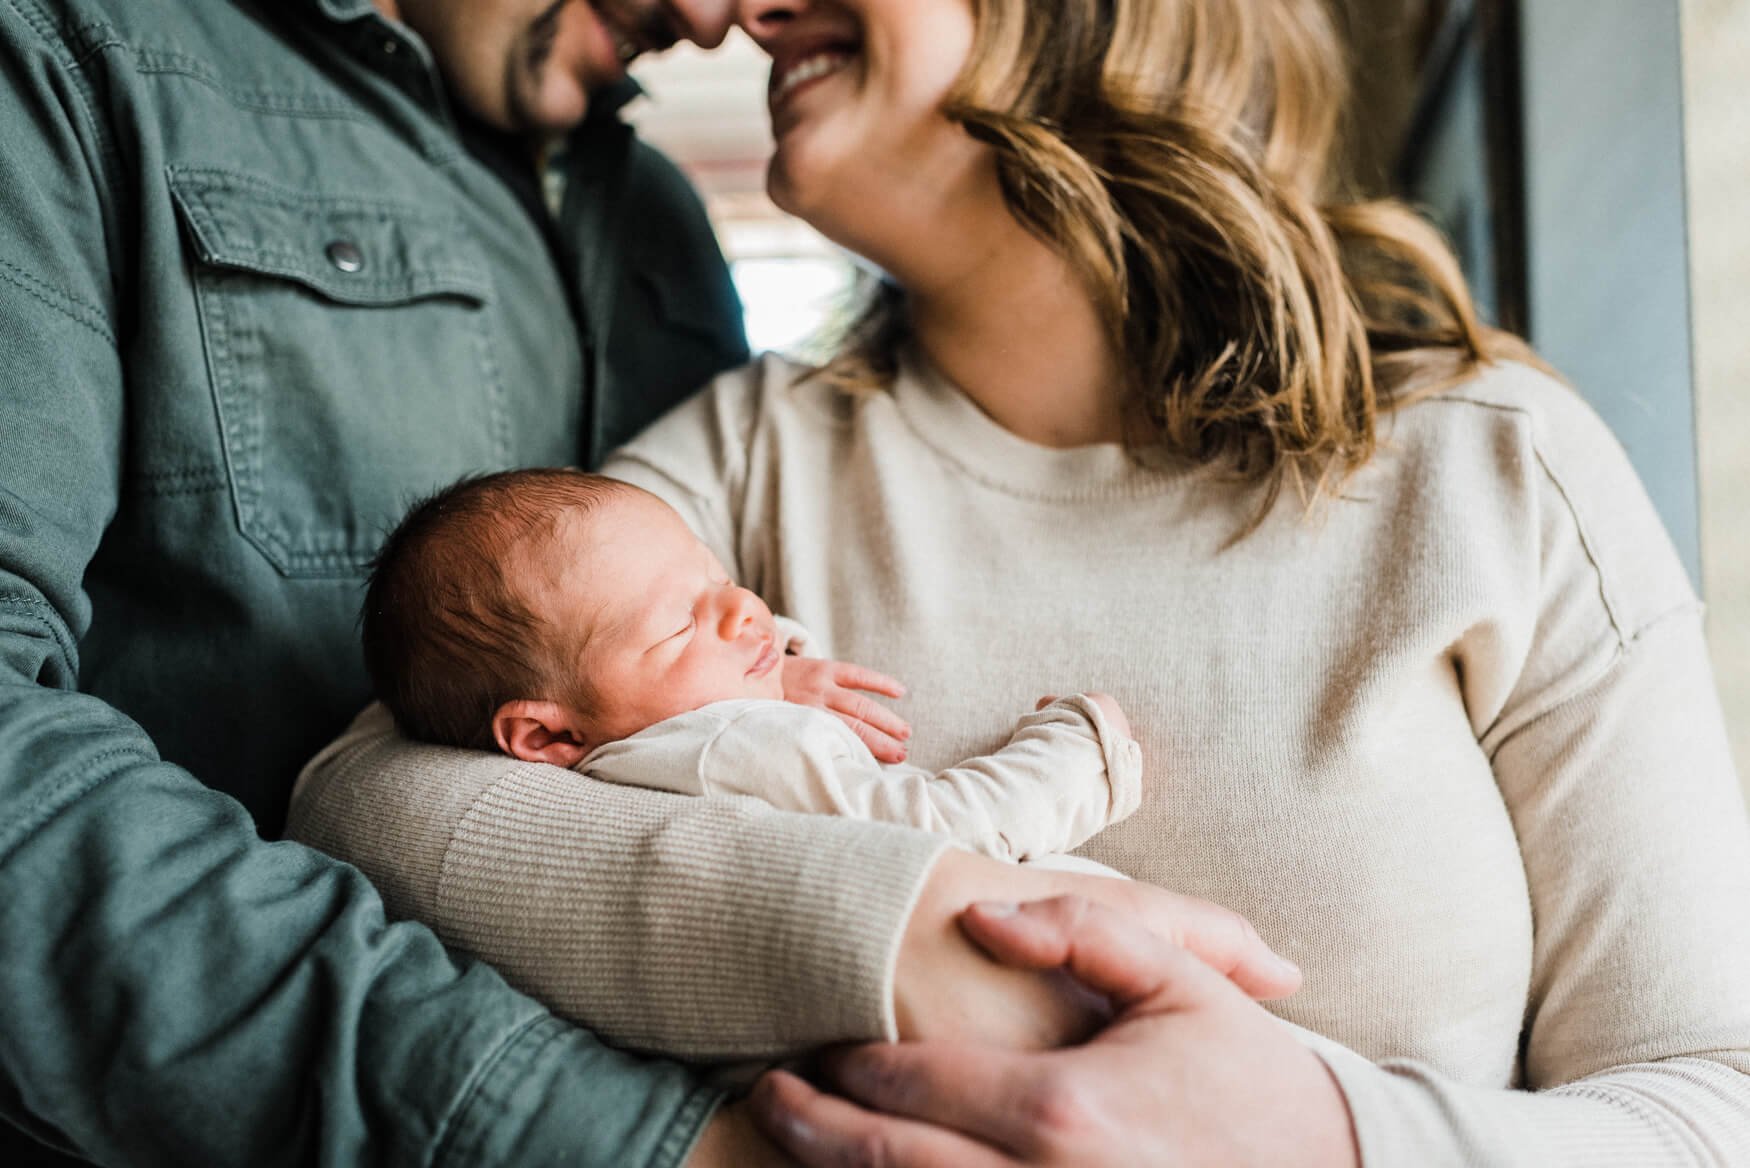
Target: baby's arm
column 1066, row 772
column 842, row 690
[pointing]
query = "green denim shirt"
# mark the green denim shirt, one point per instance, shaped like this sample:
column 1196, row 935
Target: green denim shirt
column 254, row 298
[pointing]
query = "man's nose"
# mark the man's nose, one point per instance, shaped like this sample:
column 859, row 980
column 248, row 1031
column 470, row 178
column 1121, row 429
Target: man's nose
column 766, row 20
column 704, row 22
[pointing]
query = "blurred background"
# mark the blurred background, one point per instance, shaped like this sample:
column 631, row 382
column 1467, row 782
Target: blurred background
column 1589, row 160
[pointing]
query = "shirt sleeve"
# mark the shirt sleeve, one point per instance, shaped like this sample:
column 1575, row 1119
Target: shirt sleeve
column 1063, row 775
column 1611, row 756
column 623, row 906
column 177, row 990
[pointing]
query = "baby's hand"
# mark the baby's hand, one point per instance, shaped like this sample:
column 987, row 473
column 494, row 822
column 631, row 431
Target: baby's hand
column 843, row 689
column 1108, row 706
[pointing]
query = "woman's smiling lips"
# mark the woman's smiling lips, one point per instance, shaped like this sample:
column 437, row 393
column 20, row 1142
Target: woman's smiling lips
column 811, row 67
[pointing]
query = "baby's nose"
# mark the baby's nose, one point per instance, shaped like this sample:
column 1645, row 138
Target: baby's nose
column 741, row 608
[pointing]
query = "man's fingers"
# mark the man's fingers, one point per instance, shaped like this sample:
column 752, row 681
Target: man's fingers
column 1225, row 940
column 859, row 677
column 972, row 1089
column 1097, row 946
column 824, row 1131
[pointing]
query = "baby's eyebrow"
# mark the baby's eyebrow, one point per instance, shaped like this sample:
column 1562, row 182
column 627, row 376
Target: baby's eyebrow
column 603, row 624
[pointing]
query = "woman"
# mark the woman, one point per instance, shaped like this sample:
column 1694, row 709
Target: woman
column 1148, row 406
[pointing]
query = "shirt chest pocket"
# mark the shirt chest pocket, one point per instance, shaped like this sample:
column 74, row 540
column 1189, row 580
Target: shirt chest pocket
column 350, row 356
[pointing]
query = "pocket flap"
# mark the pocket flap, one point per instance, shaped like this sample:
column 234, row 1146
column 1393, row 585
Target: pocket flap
column 351, row 250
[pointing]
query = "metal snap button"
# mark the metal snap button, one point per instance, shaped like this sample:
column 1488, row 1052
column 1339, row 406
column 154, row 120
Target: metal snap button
column 345, row 255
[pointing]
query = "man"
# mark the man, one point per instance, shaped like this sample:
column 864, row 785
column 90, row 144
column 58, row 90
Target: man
column 267, row 270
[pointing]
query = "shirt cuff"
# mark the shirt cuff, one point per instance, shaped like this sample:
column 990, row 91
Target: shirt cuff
column 552, row 1094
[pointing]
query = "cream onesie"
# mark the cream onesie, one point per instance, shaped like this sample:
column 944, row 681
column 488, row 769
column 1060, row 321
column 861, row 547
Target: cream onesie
column 1063, row 775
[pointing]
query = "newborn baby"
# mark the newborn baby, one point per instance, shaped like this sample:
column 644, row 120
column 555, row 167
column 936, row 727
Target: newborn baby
column 568, row 618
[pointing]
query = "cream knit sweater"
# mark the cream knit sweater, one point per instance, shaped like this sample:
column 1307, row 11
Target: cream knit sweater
column 1450, row 742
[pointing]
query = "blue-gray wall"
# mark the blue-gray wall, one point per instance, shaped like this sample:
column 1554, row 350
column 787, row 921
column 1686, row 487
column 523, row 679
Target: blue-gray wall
column 1608, row 267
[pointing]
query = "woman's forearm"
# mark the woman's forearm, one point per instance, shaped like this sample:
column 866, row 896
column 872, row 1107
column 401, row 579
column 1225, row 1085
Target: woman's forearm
column 708, row 929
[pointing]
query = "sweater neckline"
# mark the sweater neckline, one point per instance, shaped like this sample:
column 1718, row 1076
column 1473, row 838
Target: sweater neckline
column 951, row 424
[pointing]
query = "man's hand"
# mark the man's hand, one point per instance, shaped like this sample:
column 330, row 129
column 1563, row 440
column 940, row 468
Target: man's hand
column 843, row 689
column 947, row 989
column 1188, row 1072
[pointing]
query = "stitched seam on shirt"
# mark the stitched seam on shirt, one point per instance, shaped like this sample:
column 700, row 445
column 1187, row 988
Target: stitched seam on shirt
column 187, row 481
column 42, row 24
column 1586, row 542
column 685, row 1128
column 167, row 62
column 75, row 310
column 448, row 1125
column 723, row 725
column 52, row 623
column 1583, row 689
column 1581, row 528
column 100, row 37
column 1669, row 1127
column 38, row 813
column 388, row 209
column 55, row 42
column 1143, row 489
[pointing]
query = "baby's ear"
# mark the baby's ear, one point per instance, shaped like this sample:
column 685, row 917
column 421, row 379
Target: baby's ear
column 540, row 732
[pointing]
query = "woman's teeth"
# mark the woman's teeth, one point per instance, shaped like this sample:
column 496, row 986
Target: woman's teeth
column 807, row 70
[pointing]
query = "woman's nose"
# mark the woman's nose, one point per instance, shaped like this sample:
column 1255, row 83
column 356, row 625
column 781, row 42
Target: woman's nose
column 704, row 22
column 766, row 20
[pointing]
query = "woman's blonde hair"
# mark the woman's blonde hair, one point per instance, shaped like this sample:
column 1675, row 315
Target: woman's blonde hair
column 1181, row 153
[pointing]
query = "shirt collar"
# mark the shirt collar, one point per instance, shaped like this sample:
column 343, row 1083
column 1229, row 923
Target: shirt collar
column 610, row 101
column 344, row 9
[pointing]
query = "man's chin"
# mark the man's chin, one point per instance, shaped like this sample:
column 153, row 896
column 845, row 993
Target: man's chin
column 549, row 108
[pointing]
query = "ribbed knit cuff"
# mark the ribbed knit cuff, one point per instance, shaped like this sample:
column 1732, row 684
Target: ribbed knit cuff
column 1122, row 753
column 1404, row 1114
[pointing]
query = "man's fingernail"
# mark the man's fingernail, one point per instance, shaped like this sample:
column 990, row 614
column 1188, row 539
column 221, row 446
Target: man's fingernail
column 1283, row 965
column 998, row 908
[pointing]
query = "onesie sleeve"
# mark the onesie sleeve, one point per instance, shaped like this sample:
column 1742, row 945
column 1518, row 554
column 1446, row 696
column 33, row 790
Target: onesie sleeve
column 1063, row 775
column 1611, row 756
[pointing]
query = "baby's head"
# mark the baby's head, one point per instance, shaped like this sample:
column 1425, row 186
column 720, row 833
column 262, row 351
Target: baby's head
column 546, row 612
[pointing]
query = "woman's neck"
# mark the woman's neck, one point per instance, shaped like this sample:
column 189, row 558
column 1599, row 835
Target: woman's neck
column 1010, row 323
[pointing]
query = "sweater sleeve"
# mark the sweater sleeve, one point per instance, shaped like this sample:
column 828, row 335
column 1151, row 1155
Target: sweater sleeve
column 1637, row 1051
column 1610, row 753
column 621, row 907
column 1062, row 776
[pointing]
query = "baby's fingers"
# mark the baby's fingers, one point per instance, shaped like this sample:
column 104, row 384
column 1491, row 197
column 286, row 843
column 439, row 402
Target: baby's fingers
column 882, row 731
column 854, row 707
column 859, row 677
